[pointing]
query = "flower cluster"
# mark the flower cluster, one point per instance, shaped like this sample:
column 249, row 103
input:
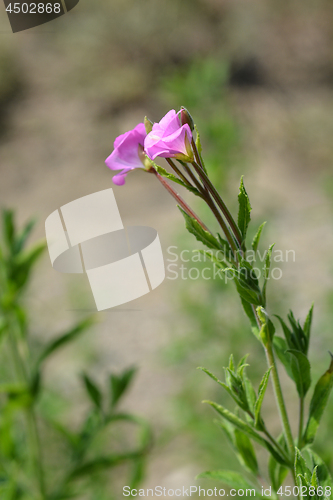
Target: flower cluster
column 169, row 138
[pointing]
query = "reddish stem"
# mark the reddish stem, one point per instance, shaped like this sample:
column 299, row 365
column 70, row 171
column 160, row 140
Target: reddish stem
column 180, row 200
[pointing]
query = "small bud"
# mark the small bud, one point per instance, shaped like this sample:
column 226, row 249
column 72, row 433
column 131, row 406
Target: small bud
column 148, row 125
column 185, row 117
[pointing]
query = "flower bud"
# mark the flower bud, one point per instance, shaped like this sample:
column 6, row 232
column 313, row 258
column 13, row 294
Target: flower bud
column 148, row 124
column 185, row 117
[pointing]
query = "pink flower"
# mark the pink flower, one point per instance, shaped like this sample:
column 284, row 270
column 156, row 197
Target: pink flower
column 127, row 154
column 169, row 139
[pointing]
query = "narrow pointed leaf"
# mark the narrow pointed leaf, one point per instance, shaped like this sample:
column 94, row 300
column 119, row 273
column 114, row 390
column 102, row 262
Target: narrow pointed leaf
column 219, row 263
column 301, row 369
column 307, row 324
column 201, row 235
column 260, row 399
column 323, row 475
column 250, row 431
column 66, row 338
column 281, row 348
column 246, row 451
column 266, row 271
column 244, row 209
column 301, row 467
column 93, row 391
column 119, row 384
column 318, row 403
column 256, row 239
column 23, row 236
column 232, row 479
column 174, row 178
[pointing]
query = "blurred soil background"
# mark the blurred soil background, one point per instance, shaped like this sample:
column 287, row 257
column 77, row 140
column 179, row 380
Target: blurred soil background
column 258, row 78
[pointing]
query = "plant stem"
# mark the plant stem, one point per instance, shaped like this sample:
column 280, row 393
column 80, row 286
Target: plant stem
column 207, row 183
column 278, row 391
column 301, row 420
column 178, row 172
column 180, row 200
column 276, row 444
column 31, row 422
column 279, row 399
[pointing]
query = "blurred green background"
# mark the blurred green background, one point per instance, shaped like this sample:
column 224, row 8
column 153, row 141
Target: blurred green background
column 258, row 79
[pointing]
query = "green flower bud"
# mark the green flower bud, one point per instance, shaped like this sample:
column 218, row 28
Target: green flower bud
column 185, row 117
column 148, row 124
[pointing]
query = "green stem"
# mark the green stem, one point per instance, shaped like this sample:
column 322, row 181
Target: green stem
column 301, row 421
column 31, row 422
column 178, row 172
column 278, row 391
column 276, row 444
column 220, row 203
column 279, row 399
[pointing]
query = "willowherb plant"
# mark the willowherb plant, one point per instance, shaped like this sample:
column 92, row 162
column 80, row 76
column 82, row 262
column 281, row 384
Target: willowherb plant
column 25, row 426
column 176, row 139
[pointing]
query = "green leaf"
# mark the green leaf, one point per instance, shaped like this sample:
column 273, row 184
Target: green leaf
column 65, row 338
column 288, row 335
column 8, row 228
column 301, row 370
column 301, row 467
column 314, row 479
column 250, row 393
column 246, row 289
column 323, row 475
column 21, row 239
column 318, row 403
column 256, row 239
column 247, row 429
column 231, row 393
column 219, row 263
column 225, row 247
column 232, row 479
column 174, row 178
column 119, row 384
column 101, row 463
column 277, row 472
column 24, row 263
column 280, row 347
column 307, row 324
column 246, row 451
column 260, row 399
column 244, row 210
column 266, row 271
column 201, row 235
column 93, row 391
column 250, row 314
